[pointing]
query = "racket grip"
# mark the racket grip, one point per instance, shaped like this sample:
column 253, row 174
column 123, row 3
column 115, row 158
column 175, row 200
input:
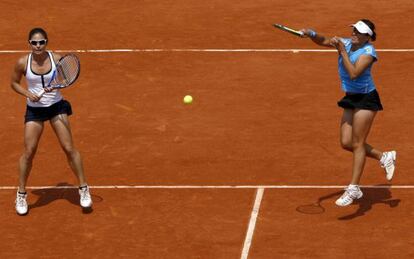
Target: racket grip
column 41, row 93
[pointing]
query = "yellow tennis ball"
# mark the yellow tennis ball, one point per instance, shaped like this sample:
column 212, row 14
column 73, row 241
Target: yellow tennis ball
column 188, row 99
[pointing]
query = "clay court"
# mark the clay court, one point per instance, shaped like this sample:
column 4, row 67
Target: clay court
column 225, row 176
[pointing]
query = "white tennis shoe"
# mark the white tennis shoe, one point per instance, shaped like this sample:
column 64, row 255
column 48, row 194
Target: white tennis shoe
column 85, row 197
column 387, row 162
column 350, row 194
column 21, row 203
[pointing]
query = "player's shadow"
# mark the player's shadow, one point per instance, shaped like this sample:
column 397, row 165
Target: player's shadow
column 372, row 196
column 64, row 191
column 381, row 194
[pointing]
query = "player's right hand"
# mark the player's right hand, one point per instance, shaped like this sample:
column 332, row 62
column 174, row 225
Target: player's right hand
column 33, row 97
column 308, row 33
column 48, row 89
column 305, row 33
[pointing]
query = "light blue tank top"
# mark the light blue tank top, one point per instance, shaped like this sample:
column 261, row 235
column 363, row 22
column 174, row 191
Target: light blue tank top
column 364, row 82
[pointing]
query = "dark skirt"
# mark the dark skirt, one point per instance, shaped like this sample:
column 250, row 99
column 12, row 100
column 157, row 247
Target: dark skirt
column 47, row 113
column 370, row 101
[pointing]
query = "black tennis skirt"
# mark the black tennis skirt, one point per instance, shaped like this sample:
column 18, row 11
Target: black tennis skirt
column 370, row 101
column 47, row 113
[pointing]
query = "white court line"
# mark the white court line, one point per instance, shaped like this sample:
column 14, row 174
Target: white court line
column 252, row 223
column 197, row 50
column 213, row 187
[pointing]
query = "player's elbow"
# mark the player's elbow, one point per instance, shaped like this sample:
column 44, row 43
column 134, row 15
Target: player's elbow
column 354, row 75
column 13, row 85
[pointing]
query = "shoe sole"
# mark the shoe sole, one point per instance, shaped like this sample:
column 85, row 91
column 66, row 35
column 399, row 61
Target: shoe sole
column 22, row 214
column 87, row 207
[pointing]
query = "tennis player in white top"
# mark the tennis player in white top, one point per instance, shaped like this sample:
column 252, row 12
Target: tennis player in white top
column 38, row 67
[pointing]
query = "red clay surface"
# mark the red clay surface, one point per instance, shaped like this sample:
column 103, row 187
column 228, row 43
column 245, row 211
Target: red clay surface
column 375, row 227
column 257, row 119
column 128, row 223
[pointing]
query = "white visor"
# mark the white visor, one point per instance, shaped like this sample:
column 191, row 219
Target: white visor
column 362, row 28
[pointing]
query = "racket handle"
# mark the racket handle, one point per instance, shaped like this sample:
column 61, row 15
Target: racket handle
column 41, row 93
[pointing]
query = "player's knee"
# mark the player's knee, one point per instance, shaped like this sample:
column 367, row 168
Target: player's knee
column 70, row 151
column 356, row 144
column 29, row 153
column 347, row 145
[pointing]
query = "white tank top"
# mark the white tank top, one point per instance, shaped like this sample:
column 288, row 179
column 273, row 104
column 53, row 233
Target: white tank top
column 36, row 82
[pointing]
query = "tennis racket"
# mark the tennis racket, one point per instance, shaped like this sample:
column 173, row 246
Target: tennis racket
column 66, row 72
column 289, row 30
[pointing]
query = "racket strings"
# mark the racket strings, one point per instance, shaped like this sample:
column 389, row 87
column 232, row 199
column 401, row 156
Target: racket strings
column 68, row 70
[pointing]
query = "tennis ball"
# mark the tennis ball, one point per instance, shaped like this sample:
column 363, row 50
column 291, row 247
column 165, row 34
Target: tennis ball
column 188, row 99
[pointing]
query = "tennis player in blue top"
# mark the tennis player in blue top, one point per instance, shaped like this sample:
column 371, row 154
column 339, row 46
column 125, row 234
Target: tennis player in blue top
column 360, row 103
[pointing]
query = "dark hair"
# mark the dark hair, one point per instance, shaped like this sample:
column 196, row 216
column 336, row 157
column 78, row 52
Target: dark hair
column 371, row 25
column 37, row 30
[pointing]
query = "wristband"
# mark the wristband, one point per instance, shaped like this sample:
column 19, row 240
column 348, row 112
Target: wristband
column 312, row 33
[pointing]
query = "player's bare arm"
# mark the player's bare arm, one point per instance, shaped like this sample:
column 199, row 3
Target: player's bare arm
column 317, row 38
column 18, row 72
column 354, row 70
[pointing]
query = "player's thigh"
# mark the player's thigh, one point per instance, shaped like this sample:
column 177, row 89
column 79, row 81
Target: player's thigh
column 32, row 133
column 61, row 126
column 346, row 128
column 362, row 122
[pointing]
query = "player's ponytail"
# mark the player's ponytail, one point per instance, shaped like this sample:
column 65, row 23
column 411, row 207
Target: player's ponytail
column 371, row 25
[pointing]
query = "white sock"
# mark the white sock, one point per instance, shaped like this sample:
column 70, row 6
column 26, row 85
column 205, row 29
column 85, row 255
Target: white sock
column 353, row 186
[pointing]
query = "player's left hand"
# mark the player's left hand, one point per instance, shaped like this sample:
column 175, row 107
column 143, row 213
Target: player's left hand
column 338, row 44
column 49, row 89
